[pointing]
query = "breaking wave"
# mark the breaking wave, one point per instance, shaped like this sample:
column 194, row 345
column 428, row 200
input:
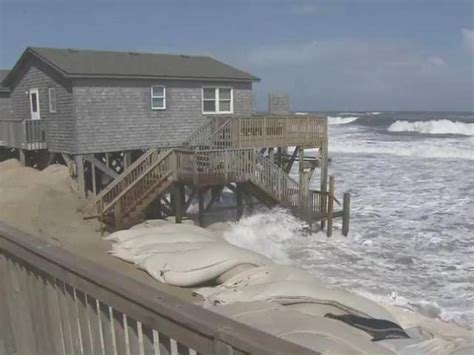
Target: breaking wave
column 341, row 120
column 414, row 150
column 433, row 127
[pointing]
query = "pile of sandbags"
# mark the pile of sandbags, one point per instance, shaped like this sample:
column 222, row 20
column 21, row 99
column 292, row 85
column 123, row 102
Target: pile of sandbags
column 180, row 254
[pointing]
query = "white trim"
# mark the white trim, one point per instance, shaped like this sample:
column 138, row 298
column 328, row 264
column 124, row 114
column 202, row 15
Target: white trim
column 34, row 115
column 52, row 89
column 217, row 99
column 158, row 97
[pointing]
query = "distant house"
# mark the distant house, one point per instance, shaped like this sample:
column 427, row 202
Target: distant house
column 87, row 101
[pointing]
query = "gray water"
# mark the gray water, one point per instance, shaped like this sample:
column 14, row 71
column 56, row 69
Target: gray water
column 412, row 226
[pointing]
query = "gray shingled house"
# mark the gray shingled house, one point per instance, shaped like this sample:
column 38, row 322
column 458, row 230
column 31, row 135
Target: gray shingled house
column 89, row 101
column 143, row 130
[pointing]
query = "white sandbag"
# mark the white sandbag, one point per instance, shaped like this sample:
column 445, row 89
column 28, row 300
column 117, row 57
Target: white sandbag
column 194, row 267
column 186, row 231
column 257, row 276
column 323, row 335
column 293, row 292
column 137, row 254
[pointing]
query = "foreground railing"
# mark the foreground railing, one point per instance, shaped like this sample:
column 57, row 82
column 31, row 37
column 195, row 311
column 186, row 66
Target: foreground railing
column 55, row 302
column 27, row 134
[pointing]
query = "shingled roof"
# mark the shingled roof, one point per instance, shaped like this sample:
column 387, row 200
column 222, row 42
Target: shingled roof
column 3, row 74
column 76, row 63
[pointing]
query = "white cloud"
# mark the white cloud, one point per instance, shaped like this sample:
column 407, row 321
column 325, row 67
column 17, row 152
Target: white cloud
column 468, row 40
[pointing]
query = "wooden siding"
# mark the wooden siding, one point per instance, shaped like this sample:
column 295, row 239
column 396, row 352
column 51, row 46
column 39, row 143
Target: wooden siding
column 114, row 115
column 5, row 107
column 60, row 125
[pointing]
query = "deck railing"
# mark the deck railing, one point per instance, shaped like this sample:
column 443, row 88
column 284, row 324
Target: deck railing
column 261, row 132
column 27, row 134
column 53, row 301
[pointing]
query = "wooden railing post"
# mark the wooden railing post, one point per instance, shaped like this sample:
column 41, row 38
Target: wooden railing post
column 330, row 205
column 346, row 213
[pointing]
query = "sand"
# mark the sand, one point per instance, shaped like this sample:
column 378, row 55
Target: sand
column 47, row 204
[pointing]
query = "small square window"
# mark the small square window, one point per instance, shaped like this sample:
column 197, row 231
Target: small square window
column 158, row 97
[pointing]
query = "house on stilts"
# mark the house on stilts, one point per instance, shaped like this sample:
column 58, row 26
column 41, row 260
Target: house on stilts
column 150, row 133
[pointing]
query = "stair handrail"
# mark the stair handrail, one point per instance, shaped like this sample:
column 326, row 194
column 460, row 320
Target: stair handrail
column 162, row 156
column 114, row 183
column 285, row 181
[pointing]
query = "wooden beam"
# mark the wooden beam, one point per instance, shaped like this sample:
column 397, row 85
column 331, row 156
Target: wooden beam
column 330, row 206
column 80, row 175
column 178, row 203
column 201, row 207
column 215, row 193
column 238, row 197
column 22, row 157
column 99, row 165
column 346, row 203
column 292, row 160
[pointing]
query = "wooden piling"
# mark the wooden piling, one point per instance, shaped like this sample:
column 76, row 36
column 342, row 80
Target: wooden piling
column 240, row 207
column 22, row 157
column 178, row 203
column 201, row 208
column 118, row 215
column 80, row 175
column 346, row 203
column 330, row 205
column 324, row 181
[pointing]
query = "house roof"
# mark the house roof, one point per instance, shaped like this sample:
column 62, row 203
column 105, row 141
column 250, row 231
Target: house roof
column 78, row 63
column 3, row 74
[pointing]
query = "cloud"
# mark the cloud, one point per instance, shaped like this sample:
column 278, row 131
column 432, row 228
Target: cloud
column 468, row 40
column 357, row 74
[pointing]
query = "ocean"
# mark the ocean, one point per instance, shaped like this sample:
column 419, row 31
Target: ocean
column 411, row 240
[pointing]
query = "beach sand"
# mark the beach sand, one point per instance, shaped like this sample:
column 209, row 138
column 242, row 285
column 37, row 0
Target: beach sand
column 47, row 205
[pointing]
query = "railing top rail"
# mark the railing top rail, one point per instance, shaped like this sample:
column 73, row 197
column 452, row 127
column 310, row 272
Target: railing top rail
column 190, row 324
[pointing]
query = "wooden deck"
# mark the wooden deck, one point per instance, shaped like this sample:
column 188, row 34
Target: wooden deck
column 27, row 134
column 261, row 131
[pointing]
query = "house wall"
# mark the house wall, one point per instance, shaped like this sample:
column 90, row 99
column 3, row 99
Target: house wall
column 113, row 115
column 5, row 107
column 60, row 125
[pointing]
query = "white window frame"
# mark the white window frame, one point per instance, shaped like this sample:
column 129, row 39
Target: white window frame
column 50, row 90
column 217, row 99
column 158, row 97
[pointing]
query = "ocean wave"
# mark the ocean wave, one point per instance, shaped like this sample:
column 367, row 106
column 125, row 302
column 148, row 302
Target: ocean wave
column 421, row 150
column 341, row 120
column 433, row 127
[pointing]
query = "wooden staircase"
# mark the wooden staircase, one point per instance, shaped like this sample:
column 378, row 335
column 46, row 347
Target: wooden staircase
column 215, row 155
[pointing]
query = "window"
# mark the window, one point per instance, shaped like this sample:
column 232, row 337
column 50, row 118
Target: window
column 52, row 99
column 217, row 100
column 158, row 97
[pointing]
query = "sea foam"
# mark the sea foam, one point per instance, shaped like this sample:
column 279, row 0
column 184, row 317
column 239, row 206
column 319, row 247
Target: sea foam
column 341, row 120
column 433, row 127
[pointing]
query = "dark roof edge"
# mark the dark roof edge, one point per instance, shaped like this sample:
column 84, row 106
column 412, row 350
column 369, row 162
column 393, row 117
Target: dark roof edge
column 30, row 50
column 159, row 77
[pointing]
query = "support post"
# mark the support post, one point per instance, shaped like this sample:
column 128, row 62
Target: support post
column 178, row 203
column 22, row 157
column 271, row 154
column 330, row 205
column 80, row 175
column 240, row 206
column 94, row 182
column 201, row 207
column 127, row 159
column 118, row 215
column 346, row 203
column 324, row 180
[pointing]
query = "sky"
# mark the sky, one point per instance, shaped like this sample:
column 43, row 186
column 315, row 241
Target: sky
column 341, row 55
